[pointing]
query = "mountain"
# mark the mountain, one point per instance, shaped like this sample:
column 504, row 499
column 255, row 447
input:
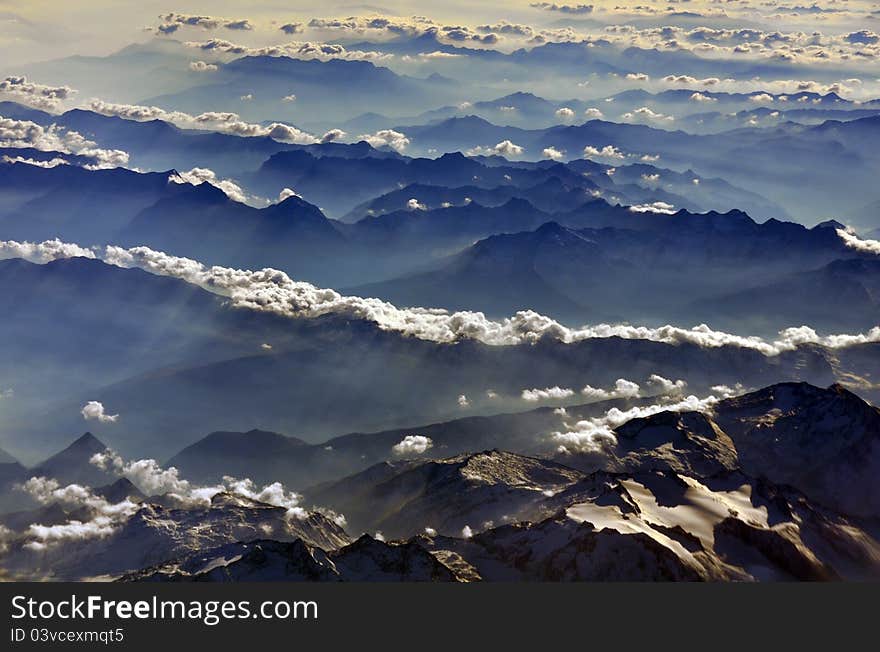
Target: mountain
column 155, row 534
column 257, row 454
column 364, row 560
column 825, row 442
column 507, row 273
column 849, row 291
column 445, row 495
column 267, row 458
column 336, row 90
column 72, row 465
column 658, row 526
column 626, row 266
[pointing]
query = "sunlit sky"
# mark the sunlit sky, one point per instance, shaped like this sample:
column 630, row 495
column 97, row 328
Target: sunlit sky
column 37, row 30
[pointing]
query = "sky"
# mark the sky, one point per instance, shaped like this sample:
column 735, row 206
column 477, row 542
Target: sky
column 39, row 30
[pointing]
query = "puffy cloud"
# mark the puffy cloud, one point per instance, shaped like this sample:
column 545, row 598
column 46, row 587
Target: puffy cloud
column 224, row 122
column 564, row 9
column 333, row 135
column 415, row 205
column 565, row 113
column 467, row 532
column 42, row 252
column 623, row 388
column 552, row 153
column 412, row 445
column 702, row 98
column 555, row 393
column 665, row 387
column 655, row 207
column 202, row 66
column 650, row 178
column 853, row 241
column 607, row 152
column 386, row 138
column 172, row 22
column 152, row 478
column 594, row 114
column 645, row 114
column 431, row 532
column 94, row 411
column 505, row 148
column 292, row 28
column 198, row 176
column 289, row 98
column 103, row 515
column 48, row 98
column 273, row 291
column 286, row 193
column 463, row 401
column 597, row 433
column 24, row 133
column 52, row 163
column 761, row 98
column 293, row 50
column 637, row 76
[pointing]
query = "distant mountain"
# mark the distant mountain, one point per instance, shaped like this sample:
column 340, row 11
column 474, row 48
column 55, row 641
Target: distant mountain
column 850, row 300
column 72, row 466
column 335, row 90
column 627, row 266
column 257, row 454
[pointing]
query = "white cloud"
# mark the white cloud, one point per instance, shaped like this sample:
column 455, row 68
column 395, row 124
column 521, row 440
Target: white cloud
column 273, row 291
column 202, row 66
column 597, row 433
column 463, row 401
column 94, row 411
column 646, row 115
column 761, row 98
column 198, row 176
column 507, row 148
column 703, row 98
column 412, row 445
column 431, row 532
column 467, row 532
column 415, row 205
column 565, row 113
column 223, row 122
column 594, row 114
column 43, row 252
column 552, row 153
column 607, row 152
column 333, row 135
column 24, row 133
column 386, row 138
column 623, row 388
column 655, row 207
column 287, row 193
column 172, row 22
column 665, row 387
column 555, row 393
column 853, row 241
column 47, row 98
column 293, row 50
